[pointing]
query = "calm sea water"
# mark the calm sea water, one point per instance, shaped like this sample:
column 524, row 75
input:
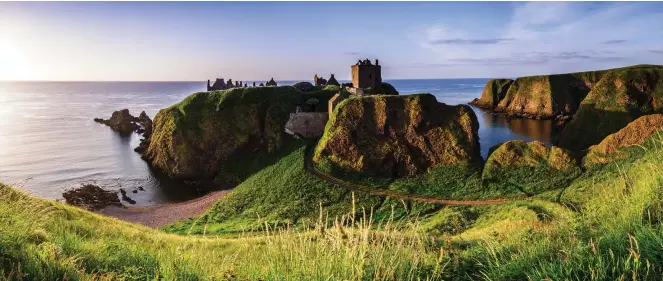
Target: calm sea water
column 49, row 143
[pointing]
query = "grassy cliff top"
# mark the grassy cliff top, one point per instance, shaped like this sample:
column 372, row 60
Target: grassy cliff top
column 604, row 225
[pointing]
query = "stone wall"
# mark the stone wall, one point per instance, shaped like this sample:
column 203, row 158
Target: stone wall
column 307, row 124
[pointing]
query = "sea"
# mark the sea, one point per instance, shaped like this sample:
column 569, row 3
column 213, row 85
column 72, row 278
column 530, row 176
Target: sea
column 49, row 142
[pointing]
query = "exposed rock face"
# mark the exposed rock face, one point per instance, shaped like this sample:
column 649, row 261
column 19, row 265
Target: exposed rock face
column 620, row 97
column 399, row 136
column 91, row 197
column 547, row 96
column 530, row 167
column 634, row 133
column 145, row 120
column 199, row 136
column 494, row 91
column 304, row 86
column 121, row 121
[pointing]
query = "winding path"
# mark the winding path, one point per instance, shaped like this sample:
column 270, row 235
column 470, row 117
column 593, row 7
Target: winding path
column 308, row 163
column 164, row 214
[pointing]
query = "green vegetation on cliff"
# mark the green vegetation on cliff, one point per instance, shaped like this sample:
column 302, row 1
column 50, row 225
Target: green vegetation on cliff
column 621, row 96
column 201, row 136
column 410, row 144
column 607, row 227
column 494, row 91
column 547, row 96
column 529, row 167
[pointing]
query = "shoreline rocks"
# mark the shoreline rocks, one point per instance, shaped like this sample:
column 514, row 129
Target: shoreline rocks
column 91, row 197
column 123, row 122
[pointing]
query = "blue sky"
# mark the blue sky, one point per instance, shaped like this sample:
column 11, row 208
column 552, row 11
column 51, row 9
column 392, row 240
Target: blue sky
column 177, row 41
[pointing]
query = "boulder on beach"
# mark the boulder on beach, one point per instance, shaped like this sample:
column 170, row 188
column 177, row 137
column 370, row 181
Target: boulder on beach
column 399, row 136
column 620, row 97
column 91, row 197
column 635, row 133
column 529, row 167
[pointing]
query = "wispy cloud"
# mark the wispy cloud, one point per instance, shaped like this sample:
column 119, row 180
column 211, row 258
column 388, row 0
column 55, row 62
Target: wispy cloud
column 351, row 53
column 459, row 41
column 549, row 35
column 610, row 42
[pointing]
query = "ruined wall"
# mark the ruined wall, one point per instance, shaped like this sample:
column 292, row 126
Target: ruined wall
column 307, row 124
column 366, row 76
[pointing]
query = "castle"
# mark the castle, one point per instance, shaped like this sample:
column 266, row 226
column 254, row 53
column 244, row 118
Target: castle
column 366, row 75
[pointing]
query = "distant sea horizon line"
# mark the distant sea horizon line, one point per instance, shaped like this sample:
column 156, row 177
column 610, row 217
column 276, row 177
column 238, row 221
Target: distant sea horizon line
column 204, row 81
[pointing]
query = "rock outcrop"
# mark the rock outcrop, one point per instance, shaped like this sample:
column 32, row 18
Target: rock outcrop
column 621, row 96
column 399, row 136
column 91, row 197
column 200, row 136
column 547, row 96
column 385, row 89
column 494, row 91
column 529, row 167
column 304, row 86
column 121, row 121
column 635, row 133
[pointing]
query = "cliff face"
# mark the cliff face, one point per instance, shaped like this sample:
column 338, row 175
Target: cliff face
column 494, row 91
column 621, row 96
column 199, row 136
column 635, row 133
column 547, row 96
column 399, row 136
column 529, row 167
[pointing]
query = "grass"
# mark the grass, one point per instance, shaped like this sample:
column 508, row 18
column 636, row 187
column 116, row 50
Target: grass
column 283, row 224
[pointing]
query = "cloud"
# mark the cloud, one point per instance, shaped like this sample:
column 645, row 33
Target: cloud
column 351, row 53
column 609, row 42
column 458, row 41
column 542, row 37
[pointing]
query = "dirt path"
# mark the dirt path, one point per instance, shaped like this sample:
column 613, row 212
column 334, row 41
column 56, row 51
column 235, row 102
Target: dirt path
column 164, row 214
column 308, row 162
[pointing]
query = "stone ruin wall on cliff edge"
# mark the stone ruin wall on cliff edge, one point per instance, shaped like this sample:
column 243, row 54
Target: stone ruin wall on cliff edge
column 307, row 124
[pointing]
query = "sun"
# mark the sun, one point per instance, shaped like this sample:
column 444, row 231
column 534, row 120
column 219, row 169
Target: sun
column 12, row 63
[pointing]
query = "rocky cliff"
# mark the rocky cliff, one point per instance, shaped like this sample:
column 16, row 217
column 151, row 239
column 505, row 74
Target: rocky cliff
column 529, row 167
column 635, row 133
column 621, row 96
column 204, row 133
column 399, row 136
column 494, row 91
column 547, row 96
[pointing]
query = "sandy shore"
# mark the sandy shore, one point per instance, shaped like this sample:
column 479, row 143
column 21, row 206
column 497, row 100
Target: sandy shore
column 164, row 214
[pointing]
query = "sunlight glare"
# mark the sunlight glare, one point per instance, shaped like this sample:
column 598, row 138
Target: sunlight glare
column 12, row 64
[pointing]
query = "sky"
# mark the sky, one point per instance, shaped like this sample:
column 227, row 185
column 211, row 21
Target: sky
column 196, row 41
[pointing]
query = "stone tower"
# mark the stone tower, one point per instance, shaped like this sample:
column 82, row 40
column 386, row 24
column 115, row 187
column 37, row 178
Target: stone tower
column 366, row 75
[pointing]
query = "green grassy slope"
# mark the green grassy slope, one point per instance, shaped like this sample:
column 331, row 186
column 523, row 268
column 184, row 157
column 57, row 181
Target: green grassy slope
column 285, row 193
column 606, row 226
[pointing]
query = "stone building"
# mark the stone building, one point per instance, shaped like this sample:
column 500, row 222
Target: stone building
column 332, row 81
column 271, row 82
column 366, row 75
column 319, row 81
column 219, row 84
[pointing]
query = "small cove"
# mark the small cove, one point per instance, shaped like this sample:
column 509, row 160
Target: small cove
column 49, row 143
